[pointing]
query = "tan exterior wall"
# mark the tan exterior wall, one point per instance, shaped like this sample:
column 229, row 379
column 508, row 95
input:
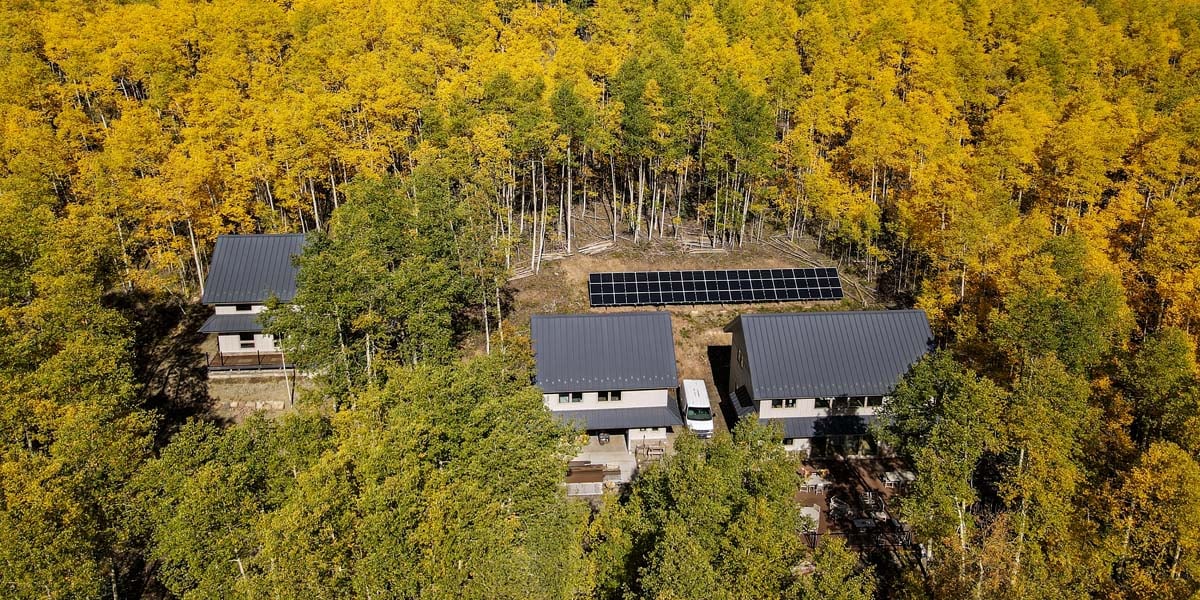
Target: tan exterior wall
column 629, row 399
column 231, row 344
column 806, row 407
column 231, row 309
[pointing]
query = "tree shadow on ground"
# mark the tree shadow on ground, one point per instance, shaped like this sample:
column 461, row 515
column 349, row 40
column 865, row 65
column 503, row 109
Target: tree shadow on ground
column 167, row 359
column 718, row 359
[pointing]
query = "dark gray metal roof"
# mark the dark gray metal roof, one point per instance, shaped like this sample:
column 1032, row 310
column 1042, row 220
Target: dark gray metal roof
column 251, row 268
column 606, row 352
column 623, row 418
column 239, row 323
column 825, row 354
column 807, row 427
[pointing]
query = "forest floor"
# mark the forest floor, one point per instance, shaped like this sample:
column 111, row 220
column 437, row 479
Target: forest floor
column 701, row 345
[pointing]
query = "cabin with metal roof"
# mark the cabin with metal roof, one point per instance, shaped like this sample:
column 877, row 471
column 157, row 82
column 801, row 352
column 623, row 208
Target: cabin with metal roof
column 246, row 271
column 821, row 376
column 612, row 375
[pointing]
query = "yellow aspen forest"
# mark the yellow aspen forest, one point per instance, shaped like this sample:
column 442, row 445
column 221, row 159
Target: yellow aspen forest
column 1026, row 172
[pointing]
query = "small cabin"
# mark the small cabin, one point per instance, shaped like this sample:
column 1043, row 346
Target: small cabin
column 245, row 272
column 821, row 376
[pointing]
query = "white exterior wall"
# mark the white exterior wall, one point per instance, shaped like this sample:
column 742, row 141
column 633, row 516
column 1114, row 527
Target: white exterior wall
column 231, row 309
column 230, row 343
column 806, row 407
column 796, row 445
column 629, row 399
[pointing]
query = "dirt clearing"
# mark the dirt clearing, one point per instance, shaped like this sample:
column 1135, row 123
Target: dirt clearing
column 700, row 340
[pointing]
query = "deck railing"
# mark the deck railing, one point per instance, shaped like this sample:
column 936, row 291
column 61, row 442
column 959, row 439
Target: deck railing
column 248, row 361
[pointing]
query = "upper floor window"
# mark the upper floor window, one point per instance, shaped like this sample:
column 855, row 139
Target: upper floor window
column 821, row 403
column 245, row 340
column 874, row 400
column 741, row 358
column 564, row 398
column 243, row 307
column 576, row 396
column 789, row 403
column 777, row 403
column 609, row 396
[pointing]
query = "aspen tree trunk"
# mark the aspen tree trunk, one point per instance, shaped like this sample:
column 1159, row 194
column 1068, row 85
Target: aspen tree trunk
column 312, row 190
column 521, row 223
column 333, row 188
column 128, row 283
column 662, row 217
column 583, row 176
column 641, row 196
column 570, row 199
column 270, row 196
column 961, row 508
column 196, row 257
column 874, row 169
column 562, row 214
column 499, row 316
column 1024, row 512
column 286, row 380
column 745, row 214
column 542, row 236
column 533, row 244
column 716, row 211
column 679, row 198
column 487, row 330
column 612, row 169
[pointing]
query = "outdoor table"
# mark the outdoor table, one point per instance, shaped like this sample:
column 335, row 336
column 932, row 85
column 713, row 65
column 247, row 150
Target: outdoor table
column 814, row 483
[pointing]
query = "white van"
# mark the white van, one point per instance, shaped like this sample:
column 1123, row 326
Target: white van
column 697, row 410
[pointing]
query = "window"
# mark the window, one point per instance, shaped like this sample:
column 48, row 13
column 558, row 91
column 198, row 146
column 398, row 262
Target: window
column 789, row 403
column 776, row 403
column 243, row 307
column 874, row 400
column 576, row 396
column 788, row 441
column 564, row 398
column 741, row 358
column 614, row 396
column 245, row 340
column 821, row 403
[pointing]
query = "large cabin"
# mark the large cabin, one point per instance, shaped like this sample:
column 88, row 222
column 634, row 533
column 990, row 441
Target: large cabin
column 246, row 271
column 613, row 376
column 821, row 376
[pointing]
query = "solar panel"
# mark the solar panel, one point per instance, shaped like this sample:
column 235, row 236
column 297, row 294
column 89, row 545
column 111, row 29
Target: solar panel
column 714, row 287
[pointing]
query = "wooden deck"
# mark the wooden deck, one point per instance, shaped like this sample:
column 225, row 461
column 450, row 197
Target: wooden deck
column 248, row 361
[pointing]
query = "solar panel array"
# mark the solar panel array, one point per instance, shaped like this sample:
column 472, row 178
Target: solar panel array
column 713, row 287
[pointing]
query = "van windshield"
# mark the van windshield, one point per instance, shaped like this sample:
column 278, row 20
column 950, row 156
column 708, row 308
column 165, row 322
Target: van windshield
column 699, row 414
